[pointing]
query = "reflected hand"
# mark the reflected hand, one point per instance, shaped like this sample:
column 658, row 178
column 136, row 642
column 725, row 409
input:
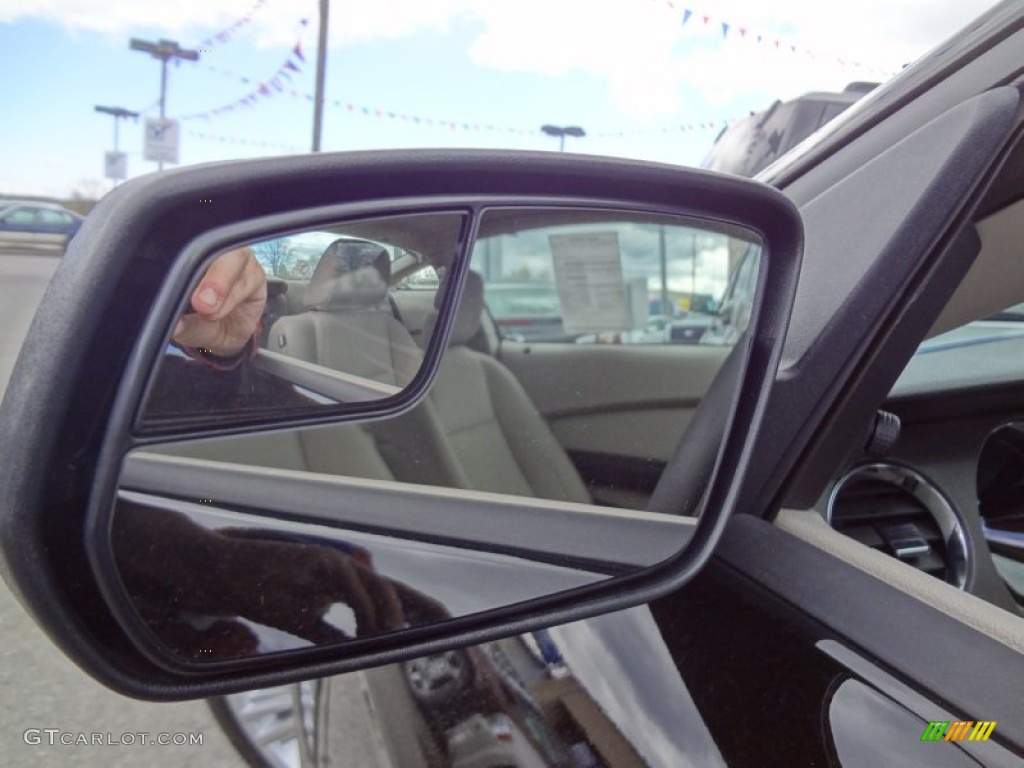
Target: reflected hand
column 291, row 586
column 228, row 303
column 172, row 567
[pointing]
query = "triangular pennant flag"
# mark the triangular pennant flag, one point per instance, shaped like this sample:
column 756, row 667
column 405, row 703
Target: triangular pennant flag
column 792, row 48
column 706, row 20
column 725, row 29
column 297, row 50
column 687, row 13
column 743, row 32
column 284, row 73
column 264, row 90
column 291, row 65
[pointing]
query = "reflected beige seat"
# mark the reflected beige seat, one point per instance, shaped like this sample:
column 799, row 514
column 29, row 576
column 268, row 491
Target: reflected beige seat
column 348, row 325
column 478, row 428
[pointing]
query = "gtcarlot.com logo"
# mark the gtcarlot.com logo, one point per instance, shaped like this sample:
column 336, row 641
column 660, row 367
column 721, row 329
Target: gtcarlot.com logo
column 55, row 737
column 958, row 730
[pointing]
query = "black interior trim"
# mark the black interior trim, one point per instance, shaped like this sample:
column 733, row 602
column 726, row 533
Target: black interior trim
column 976, row 676
column 606, row 470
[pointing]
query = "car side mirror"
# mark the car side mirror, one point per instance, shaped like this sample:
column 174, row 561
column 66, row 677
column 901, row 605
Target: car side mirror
column 169, row 569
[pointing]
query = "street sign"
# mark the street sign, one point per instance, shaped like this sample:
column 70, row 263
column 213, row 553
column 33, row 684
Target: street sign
column 115, row 165
column 161, row 143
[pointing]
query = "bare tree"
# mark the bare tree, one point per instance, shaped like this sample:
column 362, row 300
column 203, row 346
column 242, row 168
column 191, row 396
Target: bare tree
column 275, row 256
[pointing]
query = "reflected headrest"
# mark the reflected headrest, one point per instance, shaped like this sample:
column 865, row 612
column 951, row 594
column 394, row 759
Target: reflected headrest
column 470, row 310
column 351, row 273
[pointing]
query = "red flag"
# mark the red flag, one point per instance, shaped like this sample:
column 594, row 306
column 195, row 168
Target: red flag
column 297, row 50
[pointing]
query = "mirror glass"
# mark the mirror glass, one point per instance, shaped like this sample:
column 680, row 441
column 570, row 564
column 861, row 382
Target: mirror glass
column 582, row 346
column 300, row 320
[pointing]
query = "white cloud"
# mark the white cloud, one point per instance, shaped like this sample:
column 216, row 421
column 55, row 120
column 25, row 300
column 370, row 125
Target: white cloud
column 273, row 23
column 121, row 16
column 638, row 47
column 647, row 55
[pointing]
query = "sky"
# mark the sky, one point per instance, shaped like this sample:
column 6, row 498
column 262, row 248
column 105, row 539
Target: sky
column 645, row 79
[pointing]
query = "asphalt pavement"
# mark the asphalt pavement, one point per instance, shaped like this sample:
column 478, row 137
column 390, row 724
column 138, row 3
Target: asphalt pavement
column 40, row 689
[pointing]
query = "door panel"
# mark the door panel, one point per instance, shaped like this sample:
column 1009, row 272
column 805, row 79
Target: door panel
column 626, row 404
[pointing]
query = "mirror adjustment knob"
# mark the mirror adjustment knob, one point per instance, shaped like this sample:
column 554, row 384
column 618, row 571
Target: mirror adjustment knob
column 884, row 433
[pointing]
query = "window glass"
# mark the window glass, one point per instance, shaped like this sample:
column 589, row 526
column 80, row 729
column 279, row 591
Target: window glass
column 664, row 281
column 425, row 279
column 21, row 216
column 295, row 256
column 52, row 217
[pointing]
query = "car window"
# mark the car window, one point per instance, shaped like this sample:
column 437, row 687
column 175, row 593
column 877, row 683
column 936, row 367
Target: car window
column 21, row 216
column 667, row 282
column 423, row 279
column 53, row 217
column 295, row 256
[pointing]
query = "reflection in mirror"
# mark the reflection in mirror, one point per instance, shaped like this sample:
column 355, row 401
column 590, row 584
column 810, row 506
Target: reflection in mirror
column 214, row 585
column 301, row 319
column 526, row 470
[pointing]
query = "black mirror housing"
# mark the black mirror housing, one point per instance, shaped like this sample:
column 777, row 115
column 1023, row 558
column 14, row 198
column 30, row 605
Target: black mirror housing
column 69, row 413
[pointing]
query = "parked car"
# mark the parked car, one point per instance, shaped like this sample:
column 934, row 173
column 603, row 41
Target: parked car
column 689, row 329
column 28, row 225
column 526, row 311
column 851, row 509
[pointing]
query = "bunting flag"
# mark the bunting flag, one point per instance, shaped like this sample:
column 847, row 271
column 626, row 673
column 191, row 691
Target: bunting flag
column 249, row 142
column 230, row 31
column 680, row 128
column 283, row 72
column 776, row 43
column 379, row 113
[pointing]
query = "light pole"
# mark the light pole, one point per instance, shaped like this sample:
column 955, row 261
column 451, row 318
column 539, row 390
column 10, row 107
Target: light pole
column 119, row 114
column 561, row 131
column 164, row 50
column 321, row 71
